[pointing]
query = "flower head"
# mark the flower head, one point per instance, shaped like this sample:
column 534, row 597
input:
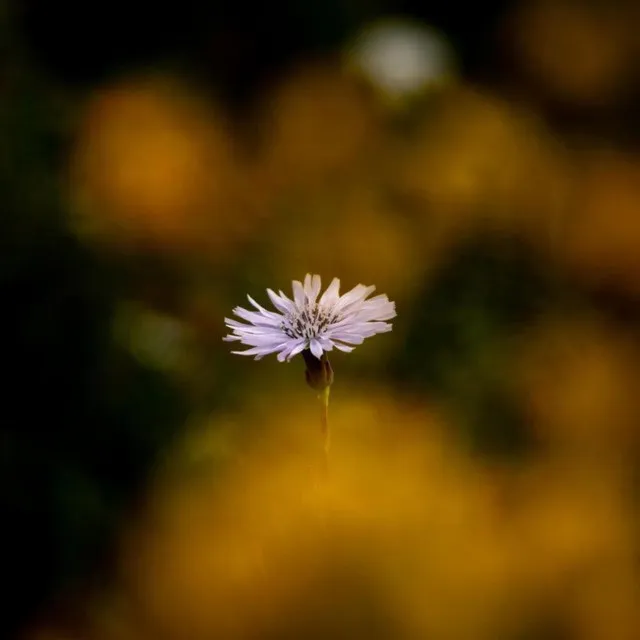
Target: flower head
column 307, row 322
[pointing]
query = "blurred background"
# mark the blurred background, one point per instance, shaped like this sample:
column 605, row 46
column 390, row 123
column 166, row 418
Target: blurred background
column 480, row 164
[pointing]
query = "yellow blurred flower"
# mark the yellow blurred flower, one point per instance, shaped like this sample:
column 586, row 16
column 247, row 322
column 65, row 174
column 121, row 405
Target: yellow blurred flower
column 577, row 380
column 406, row 533
column 404, row 509
column 576, row 544
column 477, row 162
column 315, row 126
column 154, row 167
column 601, row 238
column 352, row 232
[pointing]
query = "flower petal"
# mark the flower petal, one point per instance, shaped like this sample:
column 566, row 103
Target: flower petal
column 255, row 351
column 313, row 288
column 298, row 294
column 378, row 308
column 331, row 295
column 263, row 341
column 351, row 338
column 280, row 302
column 315, row 348
column 257, row 319
column 243, row 329
column 297, row 349
column 263, row 311
column 353, row 297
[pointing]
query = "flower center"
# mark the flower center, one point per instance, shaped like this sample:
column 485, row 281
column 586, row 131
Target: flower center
column 309, row 322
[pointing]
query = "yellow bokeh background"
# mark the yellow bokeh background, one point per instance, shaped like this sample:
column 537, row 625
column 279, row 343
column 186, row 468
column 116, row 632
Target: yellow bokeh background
column 413, row 533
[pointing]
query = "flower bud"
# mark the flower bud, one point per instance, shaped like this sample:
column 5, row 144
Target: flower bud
column 319, row 373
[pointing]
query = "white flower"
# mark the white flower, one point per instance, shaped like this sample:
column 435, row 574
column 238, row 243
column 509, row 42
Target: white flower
column 308, row 323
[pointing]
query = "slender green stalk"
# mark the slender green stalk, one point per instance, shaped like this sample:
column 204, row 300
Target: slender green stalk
column 319, row 375
column 324, row 418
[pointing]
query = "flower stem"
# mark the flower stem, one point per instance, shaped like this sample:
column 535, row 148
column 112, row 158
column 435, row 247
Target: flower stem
column 319, row 375
column 324, row 419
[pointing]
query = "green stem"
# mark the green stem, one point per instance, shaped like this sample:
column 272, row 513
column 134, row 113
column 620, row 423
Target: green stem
column 324, row 419
column 319, row 375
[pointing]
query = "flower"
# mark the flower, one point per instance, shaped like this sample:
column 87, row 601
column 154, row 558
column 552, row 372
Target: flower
column 308, row 323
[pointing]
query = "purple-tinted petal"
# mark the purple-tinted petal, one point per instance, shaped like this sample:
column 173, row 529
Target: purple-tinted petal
column 312, row 287
column 344, row 347
column 315, row 348
column 350, row 299
column 331, row 295
column 263, row 311
column 255, row 318
column 280, row 302
column 298, row 294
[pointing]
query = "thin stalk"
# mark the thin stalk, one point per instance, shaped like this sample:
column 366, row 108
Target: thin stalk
column 319, row 375
column 324, row 419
